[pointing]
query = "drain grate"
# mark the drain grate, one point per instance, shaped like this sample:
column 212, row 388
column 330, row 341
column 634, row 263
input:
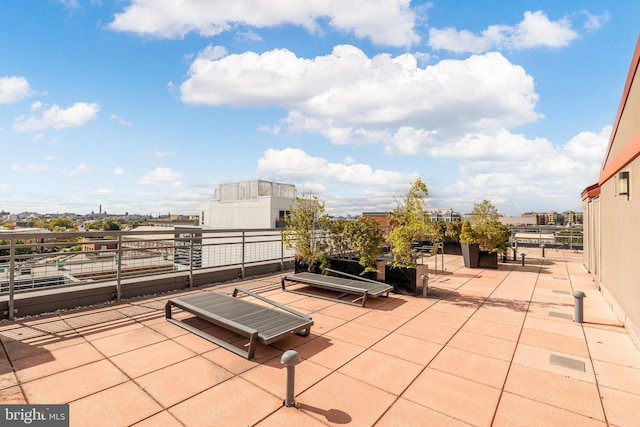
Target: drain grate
column 558, row 291
column 567, row 362
column 561, row 315
column 559, row 278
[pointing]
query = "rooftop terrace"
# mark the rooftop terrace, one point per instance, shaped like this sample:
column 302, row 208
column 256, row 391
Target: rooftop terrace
column 487, row 347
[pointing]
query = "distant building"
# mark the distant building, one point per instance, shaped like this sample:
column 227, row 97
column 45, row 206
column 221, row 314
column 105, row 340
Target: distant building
column 518, row 220
column 547, row 218
column 249, row 205
column 446, row 215
column 611, row 209
column 571, row 217
column 382, row 218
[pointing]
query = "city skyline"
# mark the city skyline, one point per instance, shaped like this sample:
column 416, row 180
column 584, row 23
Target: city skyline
column 140, row 108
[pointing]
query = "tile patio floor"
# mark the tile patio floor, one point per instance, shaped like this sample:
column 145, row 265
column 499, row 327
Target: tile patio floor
column 487, row 347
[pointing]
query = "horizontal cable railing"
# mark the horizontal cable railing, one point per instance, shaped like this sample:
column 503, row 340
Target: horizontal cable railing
column 37, row 261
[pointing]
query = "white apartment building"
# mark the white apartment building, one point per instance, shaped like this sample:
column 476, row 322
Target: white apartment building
column 249, row 205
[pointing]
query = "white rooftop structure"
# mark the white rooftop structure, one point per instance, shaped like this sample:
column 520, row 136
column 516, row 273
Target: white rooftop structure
column 249, row 205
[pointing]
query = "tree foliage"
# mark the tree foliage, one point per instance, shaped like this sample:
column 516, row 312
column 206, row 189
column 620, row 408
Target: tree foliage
column 408, row 225
column 485, row 229
column 306, row 228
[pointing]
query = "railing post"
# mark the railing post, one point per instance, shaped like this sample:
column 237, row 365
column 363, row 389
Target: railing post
column 119, row 269
column 191, row 249
column 12, row 277
column 243, row 255
column 281, row 253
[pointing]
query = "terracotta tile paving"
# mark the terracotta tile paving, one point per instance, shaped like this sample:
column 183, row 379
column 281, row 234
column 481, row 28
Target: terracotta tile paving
column 176, row 383
column 341, row 399
column 480, row 350
column 521, row 411
column 459, row 398
column 556, row 390
column 408, row 348
column 405, row 413
column 483, row 344
column 621, row 408
column 556, row 342
column 472, row 366
column 383, row 371
column 122, row 405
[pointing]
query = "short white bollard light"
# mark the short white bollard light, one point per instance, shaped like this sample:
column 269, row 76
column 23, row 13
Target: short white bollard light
column 290, row 359
column 579, row 310
column 425, row 285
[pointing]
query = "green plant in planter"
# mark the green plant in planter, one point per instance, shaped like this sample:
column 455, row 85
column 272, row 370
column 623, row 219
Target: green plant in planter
column 486, row 229
column 453, row 230
column 366, row 238
column 306, row 231
column 360, row 238
column 467, row 236
column 408, row 225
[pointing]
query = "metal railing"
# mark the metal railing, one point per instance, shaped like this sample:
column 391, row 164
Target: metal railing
column 36, row 261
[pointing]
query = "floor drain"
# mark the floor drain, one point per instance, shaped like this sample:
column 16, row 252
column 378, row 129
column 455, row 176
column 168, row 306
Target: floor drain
column 557, row 291
column 561, row 315
column 567, row 362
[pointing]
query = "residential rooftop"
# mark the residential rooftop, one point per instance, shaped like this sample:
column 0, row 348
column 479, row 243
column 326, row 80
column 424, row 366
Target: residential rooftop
column 486, row 347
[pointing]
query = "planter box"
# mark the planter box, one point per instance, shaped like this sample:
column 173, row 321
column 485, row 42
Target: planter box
column 300, row 266
column 488, row 260
column 470, row 254
column 405, row 279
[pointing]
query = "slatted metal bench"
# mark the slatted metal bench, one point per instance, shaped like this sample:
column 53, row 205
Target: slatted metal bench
column 257, row 322
column 348, row 285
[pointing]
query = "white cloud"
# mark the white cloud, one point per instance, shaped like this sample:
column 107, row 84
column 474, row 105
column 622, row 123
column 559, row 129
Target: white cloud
column 249, row 35
column 535, row 30
column 70, row 4
column 161, row 177
column 351, row 98
column 97, row 191
column 295, row 163
column 120, row 120
column 160, row 154
column 594, row 22
column 589, row 146
column 78, row 170
column 57, row 118
column 36, row 106
column 385, row 22
column 28, row 168
column 118, row 171
column 508, row 167
column 13, row 89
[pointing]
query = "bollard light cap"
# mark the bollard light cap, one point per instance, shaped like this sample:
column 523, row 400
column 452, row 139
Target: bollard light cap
column 579, row 294
column 290, row 358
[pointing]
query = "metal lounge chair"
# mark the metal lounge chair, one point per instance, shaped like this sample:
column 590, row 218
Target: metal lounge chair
column 257, row 322
column 348, row 285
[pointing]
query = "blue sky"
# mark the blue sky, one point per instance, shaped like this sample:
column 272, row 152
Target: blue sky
column 146, row 106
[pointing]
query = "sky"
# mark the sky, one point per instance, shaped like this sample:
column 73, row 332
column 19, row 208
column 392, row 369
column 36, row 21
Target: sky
column 144, row 106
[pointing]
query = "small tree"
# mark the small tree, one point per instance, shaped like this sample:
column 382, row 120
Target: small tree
column 437, row 230
column 453, row 231
column 306, row 230
column 339, row 238
column 408, row 225
column 366, row 238
column 487, row 230
column 466, row 234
